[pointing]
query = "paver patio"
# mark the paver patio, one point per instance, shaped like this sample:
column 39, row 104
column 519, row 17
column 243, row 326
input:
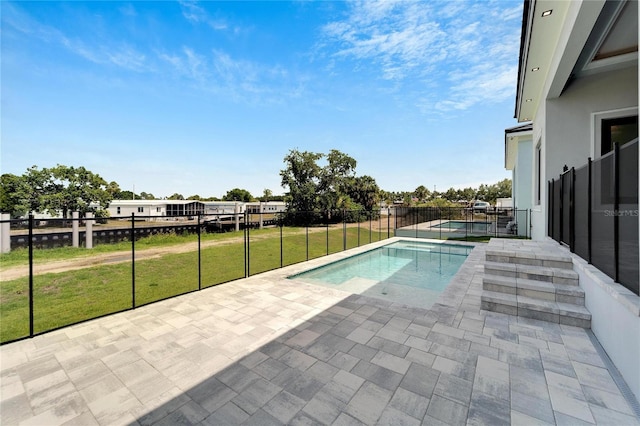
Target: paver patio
column 268, row 350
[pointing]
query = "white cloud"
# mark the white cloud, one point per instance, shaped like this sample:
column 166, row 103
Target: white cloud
column 467, row 50
column 192, row 12
column 104, row 51
column 196, row 15
column 239, row 79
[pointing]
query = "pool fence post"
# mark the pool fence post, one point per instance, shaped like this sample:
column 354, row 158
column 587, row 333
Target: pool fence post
column 75, row 234
column 199, row 256
column 358, row 222
column 369, row 227
column 133, row 260
column 30, row 275
column 327, row 219
column 466, row 226
column 281, row 252
column 344, row 229
column 248, row 234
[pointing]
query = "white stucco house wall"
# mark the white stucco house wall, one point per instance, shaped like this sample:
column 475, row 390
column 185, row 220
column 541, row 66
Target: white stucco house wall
column 124, row 208
column 518, row 157
column 577, row 80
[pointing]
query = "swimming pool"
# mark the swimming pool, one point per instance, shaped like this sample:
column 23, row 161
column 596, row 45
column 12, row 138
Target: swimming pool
column 413, row 273
column 462, row 225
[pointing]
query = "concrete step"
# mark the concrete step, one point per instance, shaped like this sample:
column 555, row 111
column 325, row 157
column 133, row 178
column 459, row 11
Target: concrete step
column 542, row 290
column 556, row 312
column 530, row 272
column 551, row 259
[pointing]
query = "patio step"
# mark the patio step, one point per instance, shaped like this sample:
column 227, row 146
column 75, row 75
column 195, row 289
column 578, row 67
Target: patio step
column 528, row 307
column 543, row 290
column 533, row 280
column 523, row 257
column 531, row 272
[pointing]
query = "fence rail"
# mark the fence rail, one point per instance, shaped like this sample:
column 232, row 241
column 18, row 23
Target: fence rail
column 594, row 211
column 127, row 270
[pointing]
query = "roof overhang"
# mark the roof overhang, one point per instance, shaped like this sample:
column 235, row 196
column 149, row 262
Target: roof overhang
column 562, row 40
column 512, row 137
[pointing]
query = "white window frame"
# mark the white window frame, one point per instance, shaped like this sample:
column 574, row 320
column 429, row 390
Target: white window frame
column 537, row 172
column 596, row 126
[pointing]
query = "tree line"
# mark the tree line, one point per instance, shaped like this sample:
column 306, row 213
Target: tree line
column 313, row 182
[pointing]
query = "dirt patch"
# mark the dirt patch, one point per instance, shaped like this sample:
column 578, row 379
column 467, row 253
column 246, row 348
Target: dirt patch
column 58, row 266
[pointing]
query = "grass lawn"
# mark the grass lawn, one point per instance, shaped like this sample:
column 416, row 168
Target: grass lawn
column 69, row 297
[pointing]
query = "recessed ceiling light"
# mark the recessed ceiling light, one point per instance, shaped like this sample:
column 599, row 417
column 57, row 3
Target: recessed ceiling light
column 535, row 69
column 547, row 12
column 528, row 100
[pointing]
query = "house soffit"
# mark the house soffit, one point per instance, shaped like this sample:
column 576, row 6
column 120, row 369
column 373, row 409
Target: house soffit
column 540, row 39
column 613, row 43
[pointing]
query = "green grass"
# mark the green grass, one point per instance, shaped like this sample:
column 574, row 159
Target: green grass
column 21, row 256
column 73, row 296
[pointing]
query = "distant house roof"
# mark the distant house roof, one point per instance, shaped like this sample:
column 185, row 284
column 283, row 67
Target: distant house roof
column 527, row 127
column 512, row 136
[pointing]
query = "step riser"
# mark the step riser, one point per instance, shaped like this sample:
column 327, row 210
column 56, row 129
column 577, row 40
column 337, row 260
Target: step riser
column 536, row 294
column 489, row 270
column 534, row 314
column 530, row 261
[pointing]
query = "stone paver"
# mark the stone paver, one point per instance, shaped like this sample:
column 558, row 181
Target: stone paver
column 269, row 350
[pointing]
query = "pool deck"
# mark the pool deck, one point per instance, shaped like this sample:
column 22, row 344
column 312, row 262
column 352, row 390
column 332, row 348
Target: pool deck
column 269, row 350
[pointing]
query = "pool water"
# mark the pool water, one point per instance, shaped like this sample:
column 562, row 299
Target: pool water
column 413, row 273
column 461, row 225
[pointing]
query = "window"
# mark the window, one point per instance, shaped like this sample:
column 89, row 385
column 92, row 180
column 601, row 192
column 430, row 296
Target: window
column 140, row 209
column 619, row 130
column 117, row 210
column 538, row 176
column 158, row 209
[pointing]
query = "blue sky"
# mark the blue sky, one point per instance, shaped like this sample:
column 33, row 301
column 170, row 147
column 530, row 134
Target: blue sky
column 203, row 97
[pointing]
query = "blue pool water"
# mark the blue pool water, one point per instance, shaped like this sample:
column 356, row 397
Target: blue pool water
column 414, row 273
column 461, row 225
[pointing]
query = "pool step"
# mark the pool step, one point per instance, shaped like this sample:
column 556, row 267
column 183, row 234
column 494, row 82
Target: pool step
column 533, row 280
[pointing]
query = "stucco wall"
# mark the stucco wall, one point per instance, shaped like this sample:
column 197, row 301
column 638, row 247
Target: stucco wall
column 564, row 127
column 524, row 181
column 568, row 118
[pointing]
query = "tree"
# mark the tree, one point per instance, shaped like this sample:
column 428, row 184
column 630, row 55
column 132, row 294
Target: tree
column 194, row 197
column 14, row 195
column 266, row 195
column 176, row 196
column 364, row 191
column 237, row 194
column 147, row 196
column 37, row 182
column 421, row 193
column 302, row 176
column 68, row 189
column 126, row 195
